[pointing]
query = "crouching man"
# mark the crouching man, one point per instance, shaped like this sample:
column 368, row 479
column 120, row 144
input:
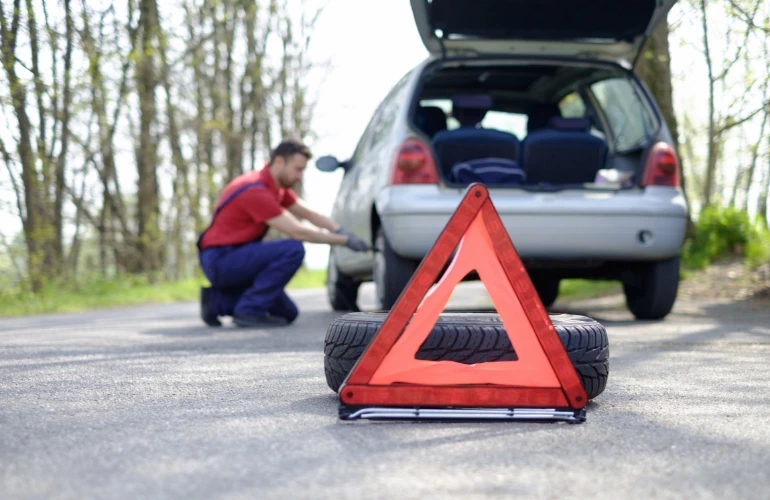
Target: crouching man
column 249, row 275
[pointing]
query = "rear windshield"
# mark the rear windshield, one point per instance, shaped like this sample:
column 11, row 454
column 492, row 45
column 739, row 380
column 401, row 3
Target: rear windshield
column 615, row 109
column 514, row 123
column 630, row 121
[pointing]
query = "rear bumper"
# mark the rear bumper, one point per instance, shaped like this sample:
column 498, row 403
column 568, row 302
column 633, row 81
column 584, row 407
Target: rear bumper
column 565, row 225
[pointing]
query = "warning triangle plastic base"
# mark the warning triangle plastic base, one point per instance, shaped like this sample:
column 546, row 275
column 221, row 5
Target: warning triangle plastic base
column 388, row 382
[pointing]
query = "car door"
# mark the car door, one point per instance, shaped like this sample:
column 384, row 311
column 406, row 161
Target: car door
column 378, row 154
column 346, row 210
column 340, row 211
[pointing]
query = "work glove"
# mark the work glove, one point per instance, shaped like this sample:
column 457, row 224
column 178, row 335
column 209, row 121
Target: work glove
column 356, row 244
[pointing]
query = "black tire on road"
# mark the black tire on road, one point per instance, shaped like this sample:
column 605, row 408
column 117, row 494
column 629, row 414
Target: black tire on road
column 341, row 289
column 653, row 292
column 470, row 338
column 547, row 289
column 392, row 272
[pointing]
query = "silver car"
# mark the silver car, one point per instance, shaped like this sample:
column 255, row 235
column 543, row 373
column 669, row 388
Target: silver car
column 538, row 101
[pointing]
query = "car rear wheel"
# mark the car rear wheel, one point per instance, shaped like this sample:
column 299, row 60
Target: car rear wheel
column 652, row 292
column 392, row 272
column 341, row 289
column 470, row 338
column 547, row 289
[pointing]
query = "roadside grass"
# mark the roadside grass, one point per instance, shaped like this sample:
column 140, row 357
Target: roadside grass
column 97, row 293
column 579, row 289
column 720, row 233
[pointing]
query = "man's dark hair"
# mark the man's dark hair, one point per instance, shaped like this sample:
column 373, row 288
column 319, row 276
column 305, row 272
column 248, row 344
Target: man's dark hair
column 288, row 148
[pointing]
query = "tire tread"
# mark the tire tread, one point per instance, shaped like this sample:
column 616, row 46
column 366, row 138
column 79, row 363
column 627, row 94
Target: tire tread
column 468, row 339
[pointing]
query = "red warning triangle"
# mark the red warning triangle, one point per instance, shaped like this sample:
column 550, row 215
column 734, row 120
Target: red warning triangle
column 387, row 374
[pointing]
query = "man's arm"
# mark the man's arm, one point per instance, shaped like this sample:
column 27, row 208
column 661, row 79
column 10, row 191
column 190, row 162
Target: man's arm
column 288, row 224
column 300, row 209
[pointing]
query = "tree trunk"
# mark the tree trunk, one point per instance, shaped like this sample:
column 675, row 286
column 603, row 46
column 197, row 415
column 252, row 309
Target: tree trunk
column 754, row 158
column 740, row 172
column 148, row 207
column 74, row 253
column 65, row 130
column 52, row 256
column 711, row 157
column 181, row 184
column 103, row 230
column 37, row 231
column 764, row 194
column 201, row 133
column 233, row 135
column 107, row 172
column 215, row 96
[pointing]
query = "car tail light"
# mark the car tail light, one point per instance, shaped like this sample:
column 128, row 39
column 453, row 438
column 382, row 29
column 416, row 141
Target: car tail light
column 414, row 164
column 662, row 167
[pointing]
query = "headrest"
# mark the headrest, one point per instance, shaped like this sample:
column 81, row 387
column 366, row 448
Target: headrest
column 570, row 124
column 469, row 110
column 431, row 119
column 540, row 114
column 472, row 102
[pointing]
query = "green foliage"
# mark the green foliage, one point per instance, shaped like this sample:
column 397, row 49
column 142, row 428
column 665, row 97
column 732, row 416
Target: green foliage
column 758, row 247
column 94, row 291
column 724, row 232
column 580, row 289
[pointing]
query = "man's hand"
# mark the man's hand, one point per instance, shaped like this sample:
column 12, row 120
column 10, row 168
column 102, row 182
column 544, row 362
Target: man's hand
column 289, row 225
column 355, row 243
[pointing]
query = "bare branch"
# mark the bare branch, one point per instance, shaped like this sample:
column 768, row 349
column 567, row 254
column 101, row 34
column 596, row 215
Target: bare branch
column 106, row 128
column 732, row 123
column 22, row 64
column 79, row 203
column 53, row 42
column 16, row 189
column 12, row 255
column 132, row 34
column 746, row 17
column 740, row 48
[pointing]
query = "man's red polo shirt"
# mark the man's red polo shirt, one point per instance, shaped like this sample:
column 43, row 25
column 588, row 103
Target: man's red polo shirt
column 244, row 218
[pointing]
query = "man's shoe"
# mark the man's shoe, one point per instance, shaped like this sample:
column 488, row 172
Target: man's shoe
column 259, row 321
column 207, row 315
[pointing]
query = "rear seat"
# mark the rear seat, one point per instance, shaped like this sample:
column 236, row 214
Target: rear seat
column 563, row 153
column 468, row 142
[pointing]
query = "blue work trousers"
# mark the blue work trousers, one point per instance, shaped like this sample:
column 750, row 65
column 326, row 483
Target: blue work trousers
column 249, row 279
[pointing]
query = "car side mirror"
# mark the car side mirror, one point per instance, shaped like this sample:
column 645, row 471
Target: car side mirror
column 327, row 164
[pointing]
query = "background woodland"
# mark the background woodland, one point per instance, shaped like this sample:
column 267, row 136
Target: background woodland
column 179, row 98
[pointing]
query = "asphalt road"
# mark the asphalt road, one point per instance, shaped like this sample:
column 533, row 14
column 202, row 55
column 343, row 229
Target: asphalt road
column 146, row 403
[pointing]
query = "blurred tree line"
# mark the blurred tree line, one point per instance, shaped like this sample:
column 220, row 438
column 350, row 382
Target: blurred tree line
column 124, row 119
column 726, row 156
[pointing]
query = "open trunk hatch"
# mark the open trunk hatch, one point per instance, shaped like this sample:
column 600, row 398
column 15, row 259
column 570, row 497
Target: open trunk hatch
column 608, row 29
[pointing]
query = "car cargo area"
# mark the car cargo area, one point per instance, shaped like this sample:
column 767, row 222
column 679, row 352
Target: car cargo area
column 535, row 126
